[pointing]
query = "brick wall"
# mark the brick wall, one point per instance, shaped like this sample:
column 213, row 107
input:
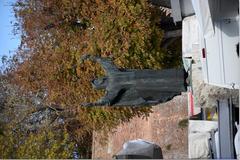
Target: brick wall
column 162, row 127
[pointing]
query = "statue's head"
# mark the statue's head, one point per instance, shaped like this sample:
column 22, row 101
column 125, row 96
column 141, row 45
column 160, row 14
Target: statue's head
column 100, row 83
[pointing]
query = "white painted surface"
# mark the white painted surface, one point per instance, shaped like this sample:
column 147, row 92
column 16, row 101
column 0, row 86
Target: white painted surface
column 199, row 134
column 190, row 35
column 198, row 146
column 221, row 67
column 202, row 126
column 222, row 62
column 202, row 11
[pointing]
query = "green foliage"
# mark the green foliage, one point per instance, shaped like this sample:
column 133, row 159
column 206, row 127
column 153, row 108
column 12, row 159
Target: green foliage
column 168, row 147
column 16, row 141
column 183, row 123
column 55, row 33
column 45, row 144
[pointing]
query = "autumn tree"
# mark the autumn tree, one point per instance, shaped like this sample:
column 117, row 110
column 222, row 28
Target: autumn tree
column 16, row 140
column 55, row 33
column 47, row 144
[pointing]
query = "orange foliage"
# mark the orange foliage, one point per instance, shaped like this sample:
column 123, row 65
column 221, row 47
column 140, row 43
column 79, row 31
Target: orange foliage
column 55, row 33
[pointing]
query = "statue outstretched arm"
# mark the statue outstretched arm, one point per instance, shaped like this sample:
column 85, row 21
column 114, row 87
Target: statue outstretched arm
column 92, row 104
column 108, row 100
column 106, row 63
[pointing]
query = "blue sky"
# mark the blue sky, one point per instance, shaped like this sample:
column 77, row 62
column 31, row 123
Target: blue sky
column 8, row 41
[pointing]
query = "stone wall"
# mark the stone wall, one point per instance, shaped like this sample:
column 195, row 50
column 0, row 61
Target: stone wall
column 162, row 127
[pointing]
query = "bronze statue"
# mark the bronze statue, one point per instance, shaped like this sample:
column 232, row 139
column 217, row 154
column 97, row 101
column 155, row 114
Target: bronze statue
column 136, row 87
